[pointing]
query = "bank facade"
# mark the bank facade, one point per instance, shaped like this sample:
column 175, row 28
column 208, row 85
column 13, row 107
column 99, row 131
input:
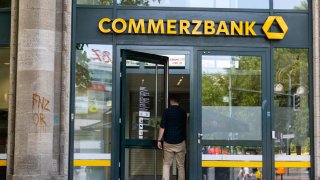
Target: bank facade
column 84, row 84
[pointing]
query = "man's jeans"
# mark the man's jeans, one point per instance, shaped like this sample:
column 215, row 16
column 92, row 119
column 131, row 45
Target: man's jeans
column 171, row 150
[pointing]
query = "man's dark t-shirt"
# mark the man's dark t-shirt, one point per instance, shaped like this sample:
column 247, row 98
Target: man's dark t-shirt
column 174, row 122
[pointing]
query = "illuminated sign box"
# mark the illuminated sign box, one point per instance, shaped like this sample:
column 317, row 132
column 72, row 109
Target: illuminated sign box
column 191, row 27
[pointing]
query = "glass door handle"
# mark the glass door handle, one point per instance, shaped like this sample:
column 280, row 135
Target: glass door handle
column 274, row 137
column 200, row 135
column 264, row 103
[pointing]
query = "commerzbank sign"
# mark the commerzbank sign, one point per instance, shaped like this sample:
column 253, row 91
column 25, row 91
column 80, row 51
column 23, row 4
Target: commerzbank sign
column 192, row 27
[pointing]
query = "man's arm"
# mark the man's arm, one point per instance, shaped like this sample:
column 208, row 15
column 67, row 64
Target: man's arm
column 160, row 136
column 161, row 130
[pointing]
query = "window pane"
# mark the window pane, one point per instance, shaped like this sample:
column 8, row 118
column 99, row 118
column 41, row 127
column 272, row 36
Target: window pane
column 291, row 108
column 91, row 173
column 231, row 94
column 93, row 108
column 261, row 4
column 142, row 85
column 231, row 162
column 95, row 2
column 4, row 104
column 5, row 3
column 290, row 4
column 144, row 164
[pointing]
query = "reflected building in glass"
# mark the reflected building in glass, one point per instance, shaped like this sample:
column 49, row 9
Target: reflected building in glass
column 84, row 84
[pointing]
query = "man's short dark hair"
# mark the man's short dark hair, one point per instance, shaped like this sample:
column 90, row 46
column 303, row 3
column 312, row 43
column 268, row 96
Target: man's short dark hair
column 174, row 98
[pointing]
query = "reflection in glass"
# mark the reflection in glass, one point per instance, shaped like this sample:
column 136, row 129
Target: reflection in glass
column 231, row 162
column 5, row 3
column 238, row 173
column 143, row 164
column 4, row 104
column 291, row 4
column 254, row 4
column 292, row 173
column 292, row 110
column 91, row 173
column 231, row 94
column 93, row 104
column 95, row 2
column 144, row 107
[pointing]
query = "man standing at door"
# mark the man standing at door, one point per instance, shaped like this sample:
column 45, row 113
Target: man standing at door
column 173, row 132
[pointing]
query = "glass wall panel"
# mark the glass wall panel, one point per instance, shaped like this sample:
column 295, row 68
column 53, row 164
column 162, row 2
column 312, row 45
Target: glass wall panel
column 254, row 4
column 231, row 162
column 291, row 4
column 5, row 3
column 4, row 104
column 144, row 106
column 93, row 108
column 95, row 2
column 231, row 94
column 145, row 164
column 292, row 118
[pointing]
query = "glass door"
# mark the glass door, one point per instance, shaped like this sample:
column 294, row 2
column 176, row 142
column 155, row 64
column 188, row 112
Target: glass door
column 144, row 96
column 233, row 111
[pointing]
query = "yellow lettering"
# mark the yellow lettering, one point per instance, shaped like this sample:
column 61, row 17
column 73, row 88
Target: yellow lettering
column 121, row 21
column 209, row 27
column 155, row 28
column 119, row 25
column 235, row 27
column 136, row 27
column 184, row 27
column 195, row 29
column 249, row 28
column 222, row 28
column 101, row 22
column 171, row 26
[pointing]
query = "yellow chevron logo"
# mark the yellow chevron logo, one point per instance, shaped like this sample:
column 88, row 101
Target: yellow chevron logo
column 275, row 35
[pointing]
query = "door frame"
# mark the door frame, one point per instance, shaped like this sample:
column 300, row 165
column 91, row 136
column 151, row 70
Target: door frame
column 115, row 158
column 267, row 88
column 116, row 150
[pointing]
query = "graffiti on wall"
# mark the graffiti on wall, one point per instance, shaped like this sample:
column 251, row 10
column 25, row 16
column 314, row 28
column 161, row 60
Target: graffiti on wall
column 40, row 105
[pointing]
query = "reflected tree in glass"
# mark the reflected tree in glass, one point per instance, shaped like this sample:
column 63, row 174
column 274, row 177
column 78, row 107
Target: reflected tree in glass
column 291, row 70
column 83, row 77
column 246, row 88
column 291, row 4
column 106, row 2
column 302, row 6
column 238, row 104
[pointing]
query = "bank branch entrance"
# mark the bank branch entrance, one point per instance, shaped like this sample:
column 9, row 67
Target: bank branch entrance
column 244, row 77
column 230, row 117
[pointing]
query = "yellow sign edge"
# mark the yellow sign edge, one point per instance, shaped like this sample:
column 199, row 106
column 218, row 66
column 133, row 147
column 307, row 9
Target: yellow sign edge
column 258, row 164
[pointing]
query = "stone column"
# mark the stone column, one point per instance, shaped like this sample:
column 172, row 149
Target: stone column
column 316, row 75
column 65, row 86
column 33, row 148
column 62, row 89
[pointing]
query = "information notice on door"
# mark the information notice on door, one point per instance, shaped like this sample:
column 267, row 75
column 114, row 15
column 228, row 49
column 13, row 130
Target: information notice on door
column 144, row 110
